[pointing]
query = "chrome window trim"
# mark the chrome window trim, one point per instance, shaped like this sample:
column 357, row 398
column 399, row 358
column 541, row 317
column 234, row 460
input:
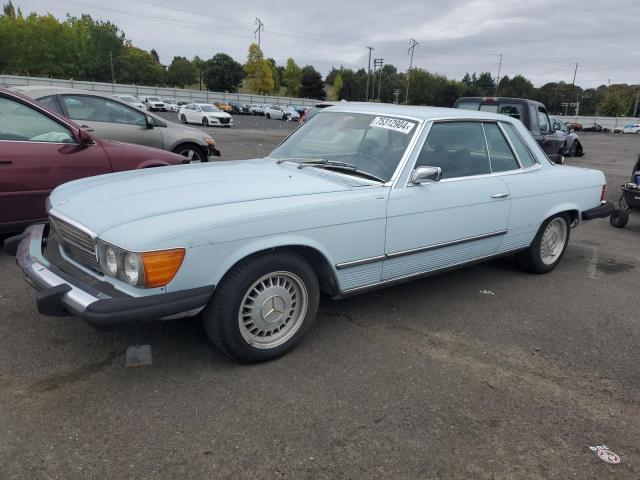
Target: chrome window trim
column 535, row 166
column 411, row 251
column 486, row 146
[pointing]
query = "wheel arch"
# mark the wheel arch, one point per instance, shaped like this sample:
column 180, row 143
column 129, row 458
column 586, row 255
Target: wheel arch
column 313, row 253
column 569, row 208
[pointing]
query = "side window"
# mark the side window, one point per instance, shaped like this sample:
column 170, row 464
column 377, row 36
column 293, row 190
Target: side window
column 458, row 148
column 19, row 122
column 51, row 103
column 523, row 153
column 533, row 115
column 543, row 120
column 85, row 107
column 501, row 156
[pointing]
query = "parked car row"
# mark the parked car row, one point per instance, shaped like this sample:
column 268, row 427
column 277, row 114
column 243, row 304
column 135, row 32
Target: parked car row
column 112, row 119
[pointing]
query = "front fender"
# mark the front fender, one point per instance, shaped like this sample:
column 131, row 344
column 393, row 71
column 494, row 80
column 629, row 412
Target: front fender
column 264, row 244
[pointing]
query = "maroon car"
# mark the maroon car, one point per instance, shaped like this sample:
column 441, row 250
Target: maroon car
column 40, row 150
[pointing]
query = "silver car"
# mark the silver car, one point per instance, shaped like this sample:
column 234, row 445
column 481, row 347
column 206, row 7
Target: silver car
column 113, row 119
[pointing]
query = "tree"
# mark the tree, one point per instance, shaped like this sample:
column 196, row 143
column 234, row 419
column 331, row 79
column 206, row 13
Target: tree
column 336, row 91
column 222, row 73
column 274, row 74
column 155, row 55
column 200, row 65
column 181, row 72
column 259, row 74
column 311, row 84
column 291, row 78
column 139, row 67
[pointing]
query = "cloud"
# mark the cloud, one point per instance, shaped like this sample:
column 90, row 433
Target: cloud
column 541, row 40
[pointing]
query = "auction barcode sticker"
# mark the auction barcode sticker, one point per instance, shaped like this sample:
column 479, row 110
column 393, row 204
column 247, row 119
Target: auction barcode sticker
column 396, row 124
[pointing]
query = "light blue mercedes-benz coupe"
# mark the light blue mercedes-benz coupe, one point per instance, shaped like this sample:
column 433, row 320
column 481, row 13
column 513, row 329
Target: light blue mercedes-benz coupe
column 359, row 197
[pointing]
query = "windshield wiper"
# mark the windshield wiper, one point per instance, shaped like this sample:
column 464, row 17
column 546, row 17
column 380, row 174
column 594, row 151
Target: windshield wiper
column 340, row 166
column 300, row 160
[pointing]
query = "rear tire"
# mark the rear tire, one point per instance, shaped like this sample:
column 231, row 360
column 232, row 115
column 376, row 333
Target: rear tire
column 262, row 307
column 619, row 218
column 548, row 247
column 205, row 122
column 268, row 116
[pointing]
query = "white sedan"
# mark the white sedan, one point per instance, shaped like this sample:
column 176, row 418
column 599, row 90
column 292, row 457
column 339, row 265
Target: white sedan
column 205, row 114
column 631, row 128
column 171, row 105
column 275, row 111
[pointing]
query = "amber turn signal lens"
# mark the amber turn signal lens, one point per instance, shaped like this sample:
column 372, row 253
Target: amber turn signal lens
column 161, row 267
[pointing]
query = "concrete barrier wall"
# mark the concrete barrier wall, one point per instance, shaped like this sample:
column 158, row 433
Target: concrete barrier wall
column 609, row 122
column 142, row 91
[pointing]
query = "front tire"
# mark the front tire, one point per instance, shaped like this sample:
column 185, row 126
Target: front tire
column 268, row 116
column 263, row 307
column 548, row 247
column 205, row 122
column 193, row 152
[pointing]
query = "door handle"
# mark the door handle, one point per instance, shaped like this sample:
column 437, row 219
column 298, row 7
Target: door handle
column 500, row 195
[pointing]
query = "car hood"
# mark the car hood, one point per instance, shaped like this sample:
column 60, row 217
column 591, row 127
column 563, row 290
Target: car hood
column 106, row 201
column 217, row 114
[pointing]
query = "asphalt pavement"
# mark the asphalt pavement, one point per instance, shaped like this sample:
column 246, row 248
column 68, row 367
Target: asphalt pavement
column 483, row 373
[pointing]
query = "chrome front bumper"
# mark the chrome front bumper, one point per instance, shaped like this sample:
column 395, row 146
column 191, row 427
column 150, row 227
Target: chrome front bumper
column 59, row 293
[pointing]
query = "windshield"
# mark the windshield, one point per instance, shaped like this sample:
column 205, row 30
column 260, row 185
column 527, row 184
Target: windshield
column 370, row 143
column 209, row 108
column 154, row 99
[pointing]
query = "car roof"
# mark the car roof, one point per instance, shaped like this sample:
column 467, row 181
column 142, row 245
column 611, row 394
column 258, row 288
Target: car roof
column 418, row 112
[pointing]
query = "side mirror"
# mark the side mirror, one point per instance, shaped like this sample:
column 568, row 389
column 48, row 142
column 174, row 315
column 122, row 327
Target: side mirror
column 422, row 175
column 85, row 138
column 149, row 121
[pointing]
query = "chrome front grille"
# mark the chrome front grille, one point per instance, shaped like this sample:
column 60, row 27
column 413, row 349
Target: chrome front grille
column 76, row 243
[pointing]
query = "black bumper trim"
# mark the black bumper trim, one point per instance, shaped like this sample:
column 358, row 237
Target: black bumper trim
column 114, row 311
column 11, row 244
column 602, row 211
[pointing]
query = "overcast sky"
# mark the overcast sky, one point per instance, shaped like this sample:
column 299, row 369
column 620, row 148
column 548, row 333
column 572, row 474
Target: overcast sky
column 541, row 39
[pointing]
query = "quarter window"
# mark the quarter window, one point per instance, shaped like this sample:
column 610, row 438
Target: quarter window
column 51, row 103
column 19, row 122
column 96, row 109
column 502, row 158
column 458, row 148
column 523, row 152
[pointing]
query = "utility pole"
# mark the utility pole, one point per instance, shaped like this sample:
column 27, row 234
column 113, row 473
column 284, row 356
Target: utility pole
column 370, row 48
column 259, row 29
column 113, row 77
column 573, row 83
column 377, row 62
column 498, row 77
column 413, row 46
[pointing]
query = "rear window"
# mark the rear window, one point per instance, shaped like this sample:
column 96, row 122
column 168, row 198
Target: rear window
column 468, row 105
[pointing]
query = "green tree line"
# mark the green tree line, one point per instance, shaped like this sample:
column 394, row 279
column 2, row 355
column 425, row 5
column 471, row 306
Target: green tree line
column 82, row 48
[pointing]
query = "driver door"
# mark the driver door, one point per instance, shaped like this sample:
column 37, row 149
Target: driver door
column 461, row 218
column 112, row 120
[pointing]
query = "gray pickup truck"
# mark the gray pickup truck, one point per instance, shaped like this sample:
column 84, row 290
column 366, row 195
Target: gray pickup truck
column 532, row 114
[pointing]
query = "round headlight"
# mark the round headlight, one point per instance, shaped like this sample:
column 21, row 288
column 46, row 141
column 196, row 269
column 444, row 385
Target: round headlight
column 131, row 269
column 111, row 261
